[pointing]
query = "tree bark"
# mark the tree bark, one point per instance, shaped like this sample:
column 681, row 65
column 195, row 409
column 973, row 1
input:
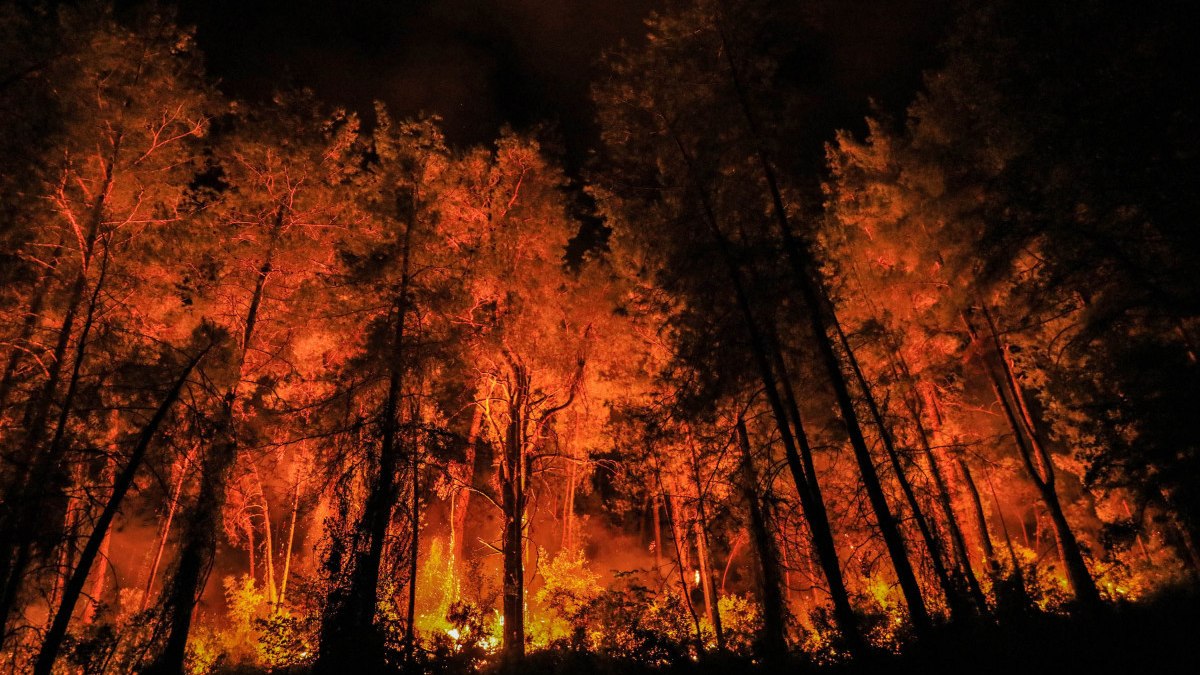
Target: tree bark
column 917, row 409
column 655, row 510
column 959, row 607
column 991, row 564
column 703, row 550
column 268, row 536
column 680, row 542
column 291, row 538
column 513, row 503
column 820, row 314
column 20, row 513
column 348, row 632
column 414, row 548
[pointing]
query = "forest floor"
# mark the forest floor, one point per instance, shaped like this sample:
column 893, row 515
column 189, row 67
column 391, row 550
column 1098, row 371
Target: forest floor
column 1156, row 636
column 1160, row 635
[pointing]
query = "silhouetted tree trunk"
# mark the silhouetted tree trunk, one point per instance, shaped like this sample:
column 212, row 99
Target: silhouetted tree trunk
column 1038, row 466
column 100, row 532
column 348, row 634
column 799, row 461
column 291, row 539
column 959, row 607
column 200, row 534
column 656, row 515
column 19, row 513
column 820, row 315
column 1012, row 596
column 943, row 497
column 679, row 539
column 985, row 538
column 410, row 635
column 176, row 493
column 774, row 636
column 703, row 550
column 512, row 493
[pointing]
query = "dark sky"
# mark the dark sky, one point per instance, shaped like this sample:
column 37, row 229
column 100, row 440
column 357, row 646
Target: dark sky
column 477, row 63
column 484, row 63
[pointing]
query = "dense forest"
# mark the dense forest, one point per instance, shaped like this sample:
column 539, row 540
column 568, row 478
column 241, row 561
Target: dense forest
column 291, row 388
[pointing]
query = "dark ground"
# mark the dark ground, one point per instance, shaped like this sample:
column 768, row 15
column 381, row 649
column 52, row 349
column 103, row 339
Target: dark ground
column 1156, row 636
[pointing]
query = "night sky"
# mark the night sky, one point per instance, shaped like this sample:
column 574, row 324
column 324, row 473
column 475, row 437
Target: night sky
column 481, row 64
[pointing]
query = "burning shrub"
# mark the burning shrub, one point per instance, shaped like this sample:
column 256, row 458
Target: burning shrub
column 741, row 620
column 633, row 622
column 285, row 641
column 569, row 588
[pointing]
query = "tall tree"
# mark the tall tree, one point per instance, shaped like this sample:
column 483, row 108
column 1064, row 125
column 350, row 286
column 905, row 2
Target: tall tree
column 397, row 257
column 122, row 162
column 277, row 170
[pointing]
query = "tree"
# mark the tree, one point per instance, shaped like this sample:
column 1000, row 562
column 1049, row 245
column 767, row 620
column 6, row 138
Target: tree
column 397, row 257
column 122, row 161
column 280, row 167
column 537, row 334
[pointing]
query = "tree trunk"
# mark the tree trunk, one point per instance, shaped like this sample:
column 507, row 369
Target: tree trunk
column 568, row 515
column 348, row 632
column 19, row 519
column 734, row 549
column 200, row 535
column 985, row 538
column 680, row 543
column 196, row 551
column 99, row 577
column 1013, row 595
column 818, row 305
column 268, row 536
column 657, row 516
column 951, row 588
column 462, row 495
column 291, row 538
column 176, row 493
column 797, row 460
column 957, row 540
column 251, row 548
column 708, row 585
column 1040, row 469
column 414, row 547
column 100, row 532
column 703, row 550
column 513, row 503
column 774, row 631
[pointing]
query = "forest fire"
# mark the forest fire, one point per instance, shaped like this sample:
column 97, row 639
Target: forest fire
column 756, row 387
